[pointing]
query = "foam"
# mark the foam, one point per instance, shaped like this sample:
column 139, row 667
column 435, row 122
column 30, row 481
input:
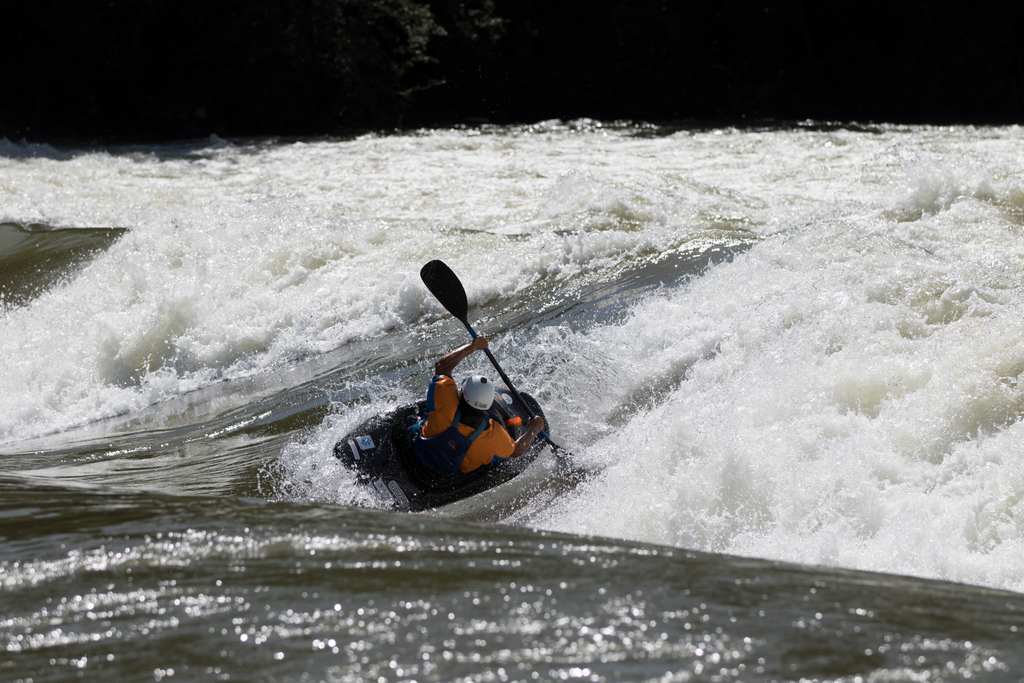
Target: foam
column 307, row 469
column 797, row 419
column 241, row 258
column 846, row 392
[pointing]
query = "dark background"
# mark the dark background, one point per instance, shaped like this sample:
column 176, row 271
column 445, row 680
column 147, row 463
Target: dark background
column 164, row 69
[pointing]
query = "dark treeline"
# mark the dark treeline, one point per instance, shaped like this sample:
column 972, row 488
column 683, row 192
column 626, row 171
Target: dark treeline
column 137, row 69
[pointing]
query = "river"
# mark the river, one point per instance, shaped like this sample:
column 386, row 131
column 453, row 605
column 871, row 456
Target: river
column 791, row 357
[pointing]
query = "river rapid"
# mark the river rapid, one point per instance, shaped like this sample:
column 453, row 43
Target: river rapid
column 791, row 358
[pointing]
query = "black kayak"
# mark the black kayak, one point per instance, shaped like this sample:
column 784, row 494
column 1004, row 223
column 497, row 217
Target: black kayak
column 380, row 452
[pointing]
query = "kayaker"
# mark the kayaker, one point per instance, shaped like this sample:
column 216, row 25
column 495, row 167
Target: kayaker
column 456, row 435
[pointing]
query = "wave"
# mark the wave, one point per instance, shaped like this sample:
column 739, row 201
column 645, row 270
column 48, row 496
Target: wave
column 34, row 257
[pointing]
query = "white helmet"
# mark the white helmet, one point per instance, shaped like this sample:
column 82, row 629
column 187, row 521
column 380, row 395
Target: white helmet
column 478, row 391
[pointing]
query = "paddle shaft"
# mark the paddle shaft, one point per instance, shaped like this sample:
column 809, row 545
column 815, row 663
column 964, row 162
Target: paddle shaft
column 446, row 287
column 504, row 377
column 511, row 387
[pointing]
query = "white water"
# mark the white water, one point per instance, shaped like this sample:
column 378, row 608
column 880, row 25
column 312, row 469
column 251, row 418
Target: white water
column 848, row 392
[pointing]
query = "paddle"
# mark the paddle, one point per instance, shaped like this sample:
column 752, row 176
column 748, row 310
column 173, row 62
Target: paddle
column 446, row 287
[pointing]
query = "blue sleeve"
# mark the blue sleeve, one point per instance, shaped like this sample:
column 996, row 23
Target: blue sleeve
column 430, row 407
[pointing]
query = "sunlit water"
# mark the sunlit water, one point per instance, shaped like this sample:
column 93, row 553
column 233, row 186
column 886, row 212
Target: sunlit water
column 800, row 345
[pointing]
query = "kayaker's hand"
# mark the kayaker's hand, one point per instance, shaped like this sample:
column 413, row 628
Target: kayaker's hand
column 479, row 344
column 527, row 439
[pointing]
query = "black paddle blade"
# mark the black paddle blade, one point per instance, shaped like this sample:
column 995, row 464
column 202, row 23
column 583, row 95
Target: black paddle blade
column 446, row 288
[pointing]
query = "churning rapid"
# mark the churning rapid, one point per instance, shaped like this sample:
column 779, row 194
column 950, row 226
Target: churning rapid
column 801, row 345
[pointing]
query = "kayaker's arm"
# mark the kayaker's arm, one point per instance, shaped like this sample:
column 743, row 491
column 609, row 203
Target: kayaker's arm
column 524, row 442
column 447, row 365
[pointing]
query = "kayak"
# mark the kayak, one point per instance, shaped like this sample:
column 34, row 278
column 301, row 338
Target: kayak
column 381, row 454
